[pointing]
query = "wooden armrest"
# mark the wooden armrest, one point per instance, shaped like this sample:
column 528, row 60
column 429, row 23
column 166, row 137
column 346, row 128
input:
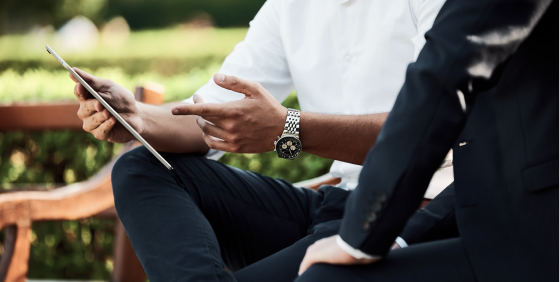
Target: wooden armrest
column 315, row 183
column 79, row 200
column 35, row 116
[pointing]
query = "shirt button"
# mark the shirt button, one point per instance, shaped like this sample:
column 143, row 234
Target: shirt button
column 348, row 58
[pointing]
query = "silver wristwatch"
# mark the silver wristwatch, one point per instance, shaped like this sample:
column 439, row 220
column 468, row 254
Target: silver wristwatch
column 288, row 145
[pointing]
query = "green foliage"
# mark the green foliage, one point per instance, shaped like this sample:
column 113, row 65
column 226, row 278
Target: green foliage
column 39, row 85
column 83, row 249
column 167, row 52
column 72, row 249
column 19, row 16
column 51, row 157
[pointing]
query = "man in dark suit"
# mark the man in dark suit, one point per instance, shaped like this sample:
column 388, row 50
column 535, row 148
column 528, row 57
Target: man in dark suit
column 486, row 85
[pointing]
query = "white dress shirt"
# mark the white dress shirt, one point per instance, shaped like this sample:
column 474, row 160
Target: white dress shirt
column 342, row 56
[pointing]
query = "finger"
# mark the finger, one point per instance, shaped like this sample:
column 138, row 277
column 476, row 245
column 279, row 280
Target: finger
column 95, row 121
column 81, row 93
column 217, row 121
column 205, row 109
column 216, row 144
column 211, row 129
column 73, row 78
column 95, row 82
column 88, row 108
column 197, row 99
column 103, row 131
column 250, row 89
column 308, row 260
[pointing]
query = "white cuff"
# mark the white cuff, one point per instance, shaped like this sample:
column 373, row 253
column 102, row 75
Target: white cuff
column 351, row 251
column 401, row 242
column 214, row 154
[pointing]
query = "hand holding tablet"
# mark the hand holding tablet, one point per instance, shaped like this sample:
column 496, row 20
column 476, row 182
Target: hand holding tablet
column 120, row 101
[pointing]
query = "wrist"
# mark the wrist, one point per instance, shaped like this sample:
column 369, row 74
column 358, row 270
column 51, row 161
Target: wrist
column 288, row 145
column 141, row 112
column 280, row 121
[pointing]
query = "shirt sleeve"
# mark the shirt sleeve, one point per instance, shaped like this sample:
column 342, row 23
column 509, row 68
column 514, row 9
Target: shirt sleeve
column 401, row 242
column 424, row 13
column 260, row 57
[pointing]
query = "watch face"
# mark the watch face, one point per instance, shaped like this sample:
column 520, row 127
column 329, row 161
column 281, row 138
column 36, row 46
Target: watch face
column 288, row 147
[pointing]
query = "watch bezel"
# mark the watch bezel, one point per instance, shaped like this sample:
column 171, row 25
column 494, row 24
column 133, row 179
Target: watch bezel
column 286, row 156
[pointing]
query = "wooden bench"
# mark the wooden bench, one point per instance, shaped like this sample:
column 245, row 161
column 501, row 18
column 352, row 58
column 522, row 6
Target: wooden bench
column 94, row 197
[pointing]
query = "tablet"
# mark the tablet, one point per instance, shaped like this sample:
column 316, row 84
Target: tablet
column 110, row 109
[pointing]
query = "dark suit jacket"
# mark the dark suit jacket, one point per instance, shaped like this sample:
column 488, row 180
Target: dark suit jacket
column 435, row 221
column 503, row 57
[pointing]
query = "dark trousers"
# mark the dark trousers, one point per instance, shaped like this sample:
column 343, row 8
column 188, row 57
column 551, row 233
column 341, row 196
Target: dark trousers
column 436, row 261
column 258, row 227
column 217, row 217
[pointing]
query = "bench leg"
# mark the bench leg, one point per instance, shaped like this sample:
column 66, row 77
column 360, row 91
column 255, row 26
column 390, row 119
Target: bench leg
column 127, row 267
column 15, row 259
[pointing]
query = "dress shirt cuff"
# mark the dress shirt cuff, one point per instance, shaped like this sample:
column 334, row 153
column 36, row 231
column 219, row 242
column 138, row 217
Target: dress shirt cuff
column 401, row 242
column 351, row 251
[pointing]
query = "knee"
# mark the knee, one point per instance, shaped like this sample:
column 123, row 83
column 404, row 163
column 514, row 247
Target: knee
column 318, row 272
column 127, row 171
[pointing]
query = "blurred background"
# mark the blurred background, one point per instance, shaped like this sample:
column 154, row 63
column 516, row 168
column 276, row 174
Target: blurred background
column 179, row 44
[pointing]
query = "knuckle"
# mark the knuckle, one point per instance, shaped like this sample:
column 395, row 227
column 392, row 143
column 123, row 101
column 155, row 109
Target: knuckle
column 211, row 145
column 234, row 139
column 204, row 111
column 236, row 113
column 230, row 127
column 234, row 81
column 94, row 119
column 236, row 148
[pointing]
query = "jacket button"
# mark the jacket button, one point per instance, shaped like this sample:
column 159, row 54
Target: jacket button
column 366, row 226
column 376, row 207
column 463, row 144
column 371, row 217
column 382, row 197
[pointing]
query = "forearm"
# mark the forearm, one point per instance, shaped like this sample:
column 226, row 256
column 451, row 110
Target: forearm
column 346, row 138
column 171, row 133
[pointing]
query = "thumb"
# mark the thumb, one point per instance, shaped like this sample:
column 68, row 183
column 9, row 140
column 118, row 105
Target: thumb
column 95, row 82
column 249, row 88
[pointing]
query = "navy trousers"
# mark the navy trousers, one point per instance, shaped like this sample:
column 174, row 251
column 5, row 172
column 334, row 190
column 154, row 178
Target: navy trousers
column 192, row 225
column 217, row 216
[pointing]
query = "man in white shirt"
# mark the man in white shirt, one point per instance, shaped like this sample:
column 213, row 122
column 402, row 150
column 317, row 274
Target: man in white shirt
column 346, row 59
